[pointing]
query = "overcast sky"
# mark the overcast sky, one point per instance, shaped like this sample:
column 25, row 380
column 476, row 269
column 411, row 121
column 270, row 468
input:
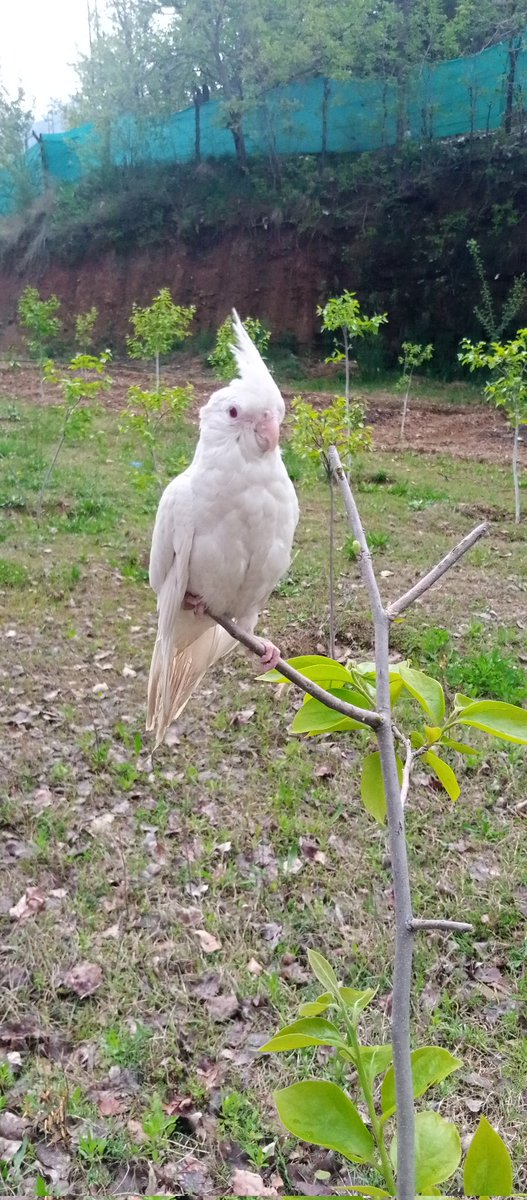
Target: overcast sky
column 39, row 41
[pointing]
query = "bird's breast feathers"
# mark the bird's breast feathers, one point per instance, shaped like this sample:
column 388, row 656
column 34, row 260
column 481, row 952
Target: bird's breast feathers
column 244, row 522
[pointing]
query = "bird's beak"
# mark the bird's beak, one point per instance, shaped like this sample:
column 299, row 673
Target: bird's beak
column 268, row 431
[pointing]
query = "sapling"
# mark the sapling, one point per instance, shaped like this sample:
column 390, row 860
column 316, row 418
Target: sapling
column 81, row 386
column 494, row 324
column 314, row 430
column 222, row 359
column 41, row 323
column 158, row 329
column 84, row 329
column 507, row 388
column 342, row 315
column 425, row 1149
column 147, row 411
column 413, row 356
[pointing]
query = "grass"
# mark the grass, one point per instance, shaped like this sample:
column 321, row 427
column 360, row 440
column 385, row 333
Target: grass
column 237, row 828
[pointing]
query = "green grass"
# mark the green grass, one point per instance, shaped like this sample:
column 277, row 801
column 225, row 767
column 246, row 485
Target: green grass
column 238, row 828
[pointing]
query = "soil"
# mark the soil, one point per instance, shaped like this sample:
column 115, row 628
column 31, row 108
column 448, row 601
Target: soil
column 461, row 430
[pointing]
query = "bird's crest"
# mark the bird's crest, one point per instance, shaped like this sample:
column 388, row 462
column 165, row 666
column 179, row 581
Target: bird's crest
column 254, row 375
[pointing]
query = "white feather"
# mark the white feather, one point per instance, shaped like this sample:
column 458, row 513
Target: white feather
column 223, row 531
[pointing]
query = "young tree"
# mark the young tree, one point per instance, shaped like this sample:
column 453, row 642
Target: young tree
column 85, row 378
column 158, row 329
column 41, row 323
column 493, row 323
column 425, row 1149
column 146, row 412
column 507, row 387
column 314, row 432
column 84, row 328
column 342, row 314
column 413, row 356
column 222, row 359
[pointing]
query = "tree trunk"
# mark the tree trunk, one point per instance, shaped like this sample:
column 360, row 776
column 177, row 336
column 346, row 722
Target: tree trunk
column 509, row 101
column 197, row 129
column 405, row 406
column 331, row 568
column 324, row 139
column 236, row 128
column 347, row 368
column 157, row 370
column 515, row 472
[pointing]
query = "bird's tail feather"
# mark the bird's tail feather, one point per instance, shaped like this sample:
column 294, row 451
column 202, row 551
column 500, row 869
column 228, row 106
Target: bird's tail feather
column 175, row 675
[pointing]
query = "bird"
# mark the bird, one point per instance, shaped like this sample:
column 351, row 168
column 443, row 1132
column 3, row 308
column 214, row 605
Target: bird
column 223, row 535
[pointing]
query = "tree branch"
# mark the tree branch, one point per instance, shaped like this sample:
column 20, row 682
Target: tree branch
column 418, row 923
column 402, row 977
column 365, row 716
column 432, row 576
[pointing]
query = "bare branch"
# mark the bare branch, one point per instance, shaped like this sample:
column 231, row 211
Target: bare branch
column 365, row 716
column 417, row 924
column 432, row 576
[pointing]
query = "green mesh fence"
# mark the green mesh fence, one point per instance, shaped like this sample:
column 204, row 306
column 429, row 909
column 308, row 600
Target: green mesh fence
column 449, row 99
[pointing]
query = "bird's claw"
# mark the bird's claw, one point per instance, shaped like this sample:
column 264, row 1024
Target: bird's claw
column 195, row 604
column 270, row 655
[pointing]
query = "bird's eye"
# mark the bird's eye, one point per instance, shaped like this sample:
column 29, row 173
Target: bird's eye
column 233, row 412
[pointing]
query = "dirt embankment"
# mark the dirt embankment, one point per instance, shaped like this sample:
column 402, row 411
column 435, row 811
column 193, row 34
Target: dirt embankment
column 264, row 272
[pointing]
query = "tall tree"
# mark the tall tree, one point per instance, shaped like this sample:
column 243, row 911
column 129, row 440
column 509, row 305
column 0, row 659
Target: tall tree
column 19, row 183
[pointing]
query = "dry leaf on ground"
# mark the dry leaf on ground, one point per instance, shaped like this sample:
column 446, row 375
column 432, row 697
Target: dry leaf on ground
column 83, row 979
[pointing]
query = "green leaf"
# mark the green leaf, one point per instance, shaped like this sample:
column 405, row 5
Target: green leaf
column 417, row 740
column 313, row 1008
column 430, row 1064
column 444, row 773
column 433, row 733
column 324, row 972
column 460, row 747
column 427, row 691
column 321, row 1113
column 356, row 1190
column 314, row 717
column 376, row 1059
column 461, row 701
column 372, row 791
column 357, row 1000
column 316, row 667
column 437, row 1150
column 396, row 687
column 488, row 1166
column 505, row 721
column 306, row 1032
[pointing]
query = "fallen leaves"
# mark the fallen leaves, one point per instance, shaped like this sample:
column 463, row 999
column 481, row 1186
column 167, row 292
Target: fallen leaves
column 247, row 1183
column 207, row 941
column 12, row 1126
column 110, row 1105
column 83, row 979
column 222, row 1008
column 8, row 1148
column 31, row 902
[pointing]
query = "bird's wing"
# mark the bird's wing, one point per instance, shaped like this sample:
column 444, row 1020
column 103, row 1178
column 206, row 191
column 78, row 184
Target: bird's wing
column 186, row 645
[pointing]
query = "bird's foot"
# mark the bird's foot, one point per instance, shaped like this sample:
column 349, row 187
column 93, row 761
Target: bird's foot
column 270, row 655
column 195, row 604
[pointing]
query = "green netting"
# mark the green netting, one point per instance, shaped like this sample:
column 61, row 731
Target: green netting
column 449, row 99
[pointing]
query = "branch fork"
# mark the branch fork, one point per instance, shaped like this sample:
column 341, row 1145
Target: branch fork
column 380, row 721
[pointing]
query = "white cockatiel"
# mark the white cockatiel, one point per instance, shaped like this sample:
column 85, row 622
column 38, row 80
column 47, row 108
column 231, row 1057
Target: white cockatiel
column 223, row 534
